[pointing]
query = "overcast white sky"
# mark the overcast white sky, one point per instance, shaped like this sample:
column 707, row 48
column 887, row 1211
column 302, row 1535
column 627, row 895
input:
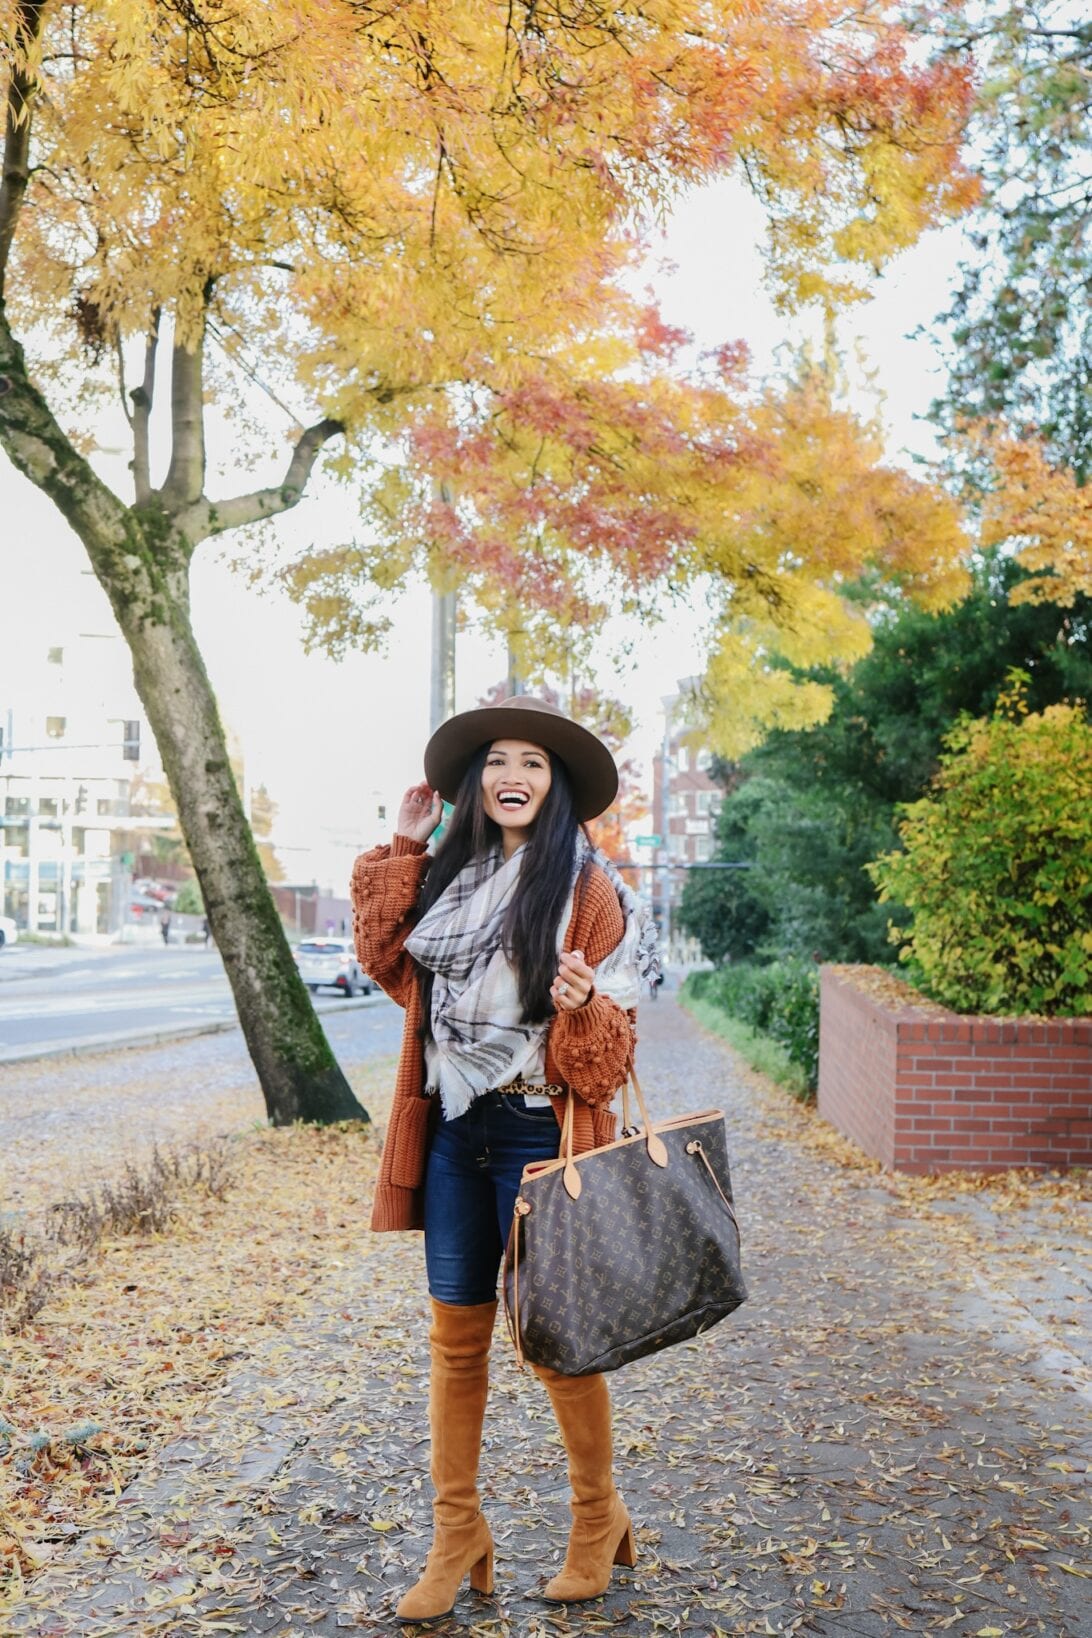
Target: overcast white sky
column 332, row 741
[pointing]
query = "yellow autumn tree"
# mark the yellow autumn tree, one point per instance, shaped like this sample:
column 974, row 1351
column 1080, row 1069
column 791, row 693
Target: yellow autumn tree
column 263, row 814
column 391, row 213
column 768, row 505
column 1037, row 506
column 822, row 510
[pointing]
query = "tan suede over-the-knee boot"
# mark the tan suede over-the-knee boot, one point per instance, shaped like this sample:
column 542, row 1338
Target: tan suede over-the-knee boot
column 459, row 1383
column 602, row 1534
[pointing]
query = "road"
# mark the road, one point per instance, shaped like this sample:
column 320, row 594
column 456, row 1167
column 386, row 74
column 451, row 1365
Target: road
column 53, row 999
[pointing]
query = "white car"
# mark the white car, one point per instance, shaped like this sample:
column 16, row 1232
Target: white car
column 330, row 963
column 9, row 933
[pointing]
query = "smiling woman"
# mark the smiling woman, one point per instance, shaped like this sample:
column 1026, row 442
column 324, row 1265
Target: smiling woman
column 515, row 783
column 517, row 953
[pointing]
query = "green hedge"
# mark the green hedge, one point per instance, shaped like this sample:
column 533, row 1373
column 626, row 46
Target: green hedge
column 996, row 865
column 780, row 1001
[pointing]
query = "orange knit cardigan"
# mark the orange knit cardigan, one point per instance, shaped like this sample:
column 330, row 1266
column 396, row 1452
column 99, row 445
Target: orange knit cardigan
column 587, row 1050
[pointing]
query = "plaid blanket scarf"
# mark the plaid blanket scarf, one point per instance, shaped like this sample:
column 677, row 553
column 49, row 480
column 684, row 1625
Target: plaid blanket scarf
column 480, row 1039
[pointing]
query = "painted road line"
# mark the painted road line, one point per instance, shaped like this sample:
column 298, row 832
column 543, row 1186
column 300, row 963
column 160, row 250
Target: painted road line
column 48, row 1006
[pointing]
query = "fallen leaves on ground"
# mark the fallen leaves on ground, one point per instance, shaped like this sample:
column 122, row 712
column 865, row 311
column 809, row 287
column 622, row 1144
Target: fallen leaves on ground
column 135, row 1337
column 863, row 1449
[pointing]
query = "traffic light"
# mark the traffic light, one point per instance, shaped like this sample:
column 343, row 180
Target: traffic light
column 81, row 799
column 130, row 741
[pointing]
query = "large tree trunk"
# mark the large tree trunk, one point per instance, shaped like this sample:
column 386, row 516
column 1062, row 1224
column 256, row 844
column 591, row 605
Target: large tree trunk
column 140, row 556
column 299, row 1075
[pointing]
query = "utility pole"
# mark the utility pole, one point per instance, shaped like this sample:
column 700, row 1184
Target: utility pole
column 64, row 883
column 515, row 681
column 663, row 817
column 442, row 690
column 442, row 696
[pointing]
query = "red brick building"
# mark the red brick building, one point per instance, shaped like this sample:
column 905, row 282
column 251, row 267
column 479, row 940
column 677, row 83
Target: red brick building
column 685, row 802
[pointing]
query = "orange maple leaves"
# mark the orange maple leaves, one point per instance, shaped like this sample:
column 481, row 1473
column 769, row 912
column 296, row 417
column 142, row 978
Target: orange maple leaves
column 1040, row 508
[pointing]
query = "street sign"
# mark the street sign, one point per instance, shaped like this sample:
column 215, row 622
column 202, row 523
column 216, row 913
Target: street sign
column 648, row 841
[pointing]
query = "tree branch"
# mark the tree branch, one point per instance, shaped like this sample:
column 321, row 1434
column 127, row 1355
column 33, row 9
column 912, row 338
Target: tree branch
column 143, row 397
column 40, row 449
column 207, row 517
column 186, row 474
column 119, row 360
column 16, row 163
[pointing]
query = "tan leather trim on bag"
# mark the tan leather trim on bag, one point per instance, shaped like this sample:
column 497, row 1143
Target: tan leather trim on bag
column 521, row 1210
column 572, row 1176
column 656, row 1150
column 698, row 1148
column 537, row 1168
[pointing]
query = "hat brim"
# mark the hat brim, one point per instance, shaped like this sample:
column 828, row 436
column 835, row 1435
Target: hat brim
column 590, row 766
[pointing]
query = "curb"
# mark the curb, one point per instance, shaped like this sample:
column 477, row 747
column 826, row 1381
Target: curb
column 156, row 1033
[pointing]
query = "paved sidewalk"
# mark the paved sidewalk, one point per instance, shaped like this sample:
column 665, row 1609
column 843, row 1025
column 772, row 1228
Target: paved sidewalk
column 885, row 1438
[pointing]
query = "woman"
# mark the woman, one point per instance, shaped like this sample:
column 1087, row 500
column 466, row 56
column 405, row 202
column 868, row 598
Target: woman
column 517, row 953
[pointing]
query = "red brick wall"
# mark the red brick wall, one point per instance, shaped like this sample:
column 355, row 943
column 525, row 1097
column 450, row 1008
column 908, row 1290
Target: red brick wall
column 923, row 1089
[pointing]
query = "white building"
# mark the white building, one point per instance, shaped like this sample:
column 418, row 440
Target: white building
column 73, row 736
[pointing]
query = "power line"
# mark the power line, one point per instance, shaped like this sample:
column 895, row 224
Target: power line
column 57, row 745
column 695, row 864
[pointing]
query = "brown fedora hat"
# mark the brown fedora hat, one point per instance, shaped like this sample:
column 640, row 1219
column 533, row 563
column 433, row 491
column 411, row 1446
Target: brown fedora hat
column 590, row 766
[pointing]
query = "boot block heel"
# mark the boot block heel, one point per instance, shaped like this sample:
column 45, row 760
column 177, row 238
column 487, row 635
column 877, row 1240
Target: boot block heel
column 481, row 1574
column 626, row 1552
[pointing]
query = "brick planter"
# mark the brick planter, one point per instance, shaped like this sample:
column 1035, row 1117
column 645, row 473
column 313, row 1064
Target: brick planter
column 923, row 1089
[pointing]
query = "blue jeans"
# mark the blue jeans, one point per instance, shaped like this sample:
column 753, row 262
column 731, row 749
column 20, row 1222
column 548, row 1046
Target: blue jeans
column 474, row 1168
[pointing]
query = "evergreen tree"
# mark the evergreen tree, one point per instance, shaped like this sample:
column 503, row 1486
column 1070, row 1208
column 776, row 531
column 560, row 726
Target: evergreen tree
column 812, row 808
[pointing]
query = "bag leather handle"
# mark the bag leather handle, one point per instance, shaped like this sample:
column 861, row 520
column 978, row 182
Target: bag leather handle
column 515, row 1329
column 657, row 1149
column 654, row 1143
column 570, row 1175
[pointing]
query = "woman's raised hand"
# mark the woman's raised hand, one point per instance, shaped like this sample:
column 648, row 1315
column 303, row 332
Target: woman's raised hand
column 420, row 812
column 574, row 982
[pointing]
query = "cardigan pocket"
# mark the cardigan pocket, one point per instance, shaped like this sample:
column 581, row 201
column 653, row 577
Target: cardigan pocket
column 408, row 1140
column 604, row 1126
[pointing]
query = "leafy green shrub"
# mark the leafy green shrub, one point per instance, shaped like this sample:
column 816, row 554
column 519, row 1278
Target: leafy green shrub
column 187, row 901
column 780, row 1001
column 762, row 1052
column 719, row 907
column 696, row 985
column 997, row 867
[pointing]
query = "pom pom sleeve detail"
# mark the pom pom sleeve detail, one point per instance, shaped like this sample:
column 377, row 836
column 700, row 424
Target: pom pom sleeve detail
column 592, row 1048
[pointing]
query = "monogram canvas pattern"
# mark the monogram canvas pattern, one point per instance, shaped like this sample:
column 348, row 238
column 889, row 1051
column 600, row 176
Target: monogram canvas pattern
column 645, row 1256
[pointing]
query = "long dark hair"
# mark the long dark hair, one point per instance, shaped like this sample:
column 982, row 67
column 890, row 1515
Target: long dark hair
column 529, row 936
